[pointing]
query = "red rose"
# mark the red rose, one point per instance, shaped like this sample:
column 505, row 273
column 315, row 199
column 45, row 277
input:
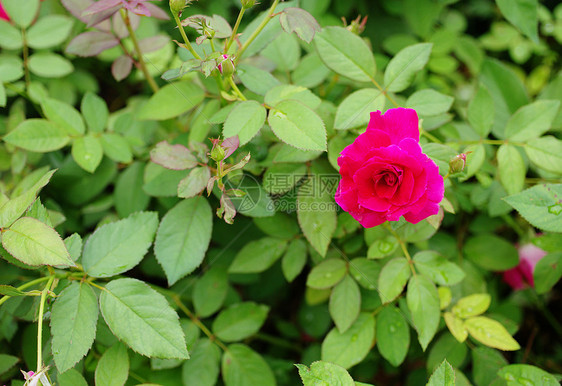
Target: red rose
column 3, row 14
column 522, row 275
column 385, row 175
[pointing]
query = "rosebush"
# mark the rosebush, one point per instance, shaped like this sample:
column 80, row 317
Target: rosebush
column 233, row 193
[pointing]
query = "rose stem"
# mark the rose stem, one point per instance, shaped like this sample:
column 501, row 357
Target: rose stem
column 127, row 21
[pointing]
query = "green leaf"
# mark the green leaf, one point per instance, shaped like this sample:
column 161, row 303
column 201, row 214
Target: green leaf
column 240, row 321
column 429, row 102
column 3, row 98
column 351, row 347
column 95, row 112
column 245, row 120
column 210, row 291
column 521, row 375
column 511, row 168
column 480, row 112
column 11, row 36
column 402, row 68
column 12, row 209
column 87, row 151
column 116, row 147
column 284, row 51
column 161, row 182
column 74, row 318
column 194, row 183
column 326, row 274
column 546, row 153
column 300, row 22
column 490, row 333
column 485, row 365
column 423, row 303
column 540, row 205
column 71, row 377
column 113, row 366
column 203, row 366
column 255, row 79
column 7, row 362
column 183, row 237
column 531, row 121
column 175, row 157
column 172, row 100
column 440, row 270
column 294, row 259
column 491, row 252
column 34, row 243
column 132, row 309
column 345, row 303
column 316, row 212
column 297, row 125
column 354, row 110
column 393, row 335
column 393, row 279
column 8, row 290
column 446, row 348
column 258, row 255
column 22, row 16
column 73, row 244
column 324, row 373
column 472, row 305
column 444, row 375
column 288, row 91
column 365, row 272
column 547, row 272
column 242, row 366
column 345, row 53
column 310, row 72
column 117, row 247
column 63, row 115
column 455, row 326
column 37, row 135
column 49, row 31
column 49, row 65
column 128, row 195
column 523, row 14
column 506, row 89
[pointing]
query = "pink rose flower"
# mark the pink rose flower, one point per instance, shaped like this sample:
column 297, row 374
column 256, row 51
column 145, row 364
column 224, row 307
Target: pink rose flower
column 522, row 275
column 385, row 175
column 3, row 14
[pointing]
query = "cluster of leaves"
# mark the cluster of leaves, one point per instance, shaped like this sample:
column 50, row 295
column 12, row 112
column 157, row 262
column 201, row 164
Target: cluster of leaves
column 247, row 121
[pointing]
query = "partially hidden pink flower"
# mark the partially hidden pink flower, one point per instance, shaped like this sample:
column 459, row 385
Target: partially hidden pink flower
column 522, row 275
column 3, row 14
column 385, row 174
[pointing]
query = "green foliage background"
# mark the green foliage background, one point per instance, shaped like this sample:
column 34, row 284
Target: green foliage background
column 137, row 275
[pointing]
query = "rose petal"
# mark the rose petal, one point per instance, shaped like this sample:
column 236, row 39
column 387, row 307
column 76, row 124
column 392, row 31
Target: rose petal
column 398, row 123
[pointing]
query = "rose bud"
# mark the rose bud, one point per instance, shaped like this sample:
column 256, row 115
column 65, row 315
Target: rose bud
column 246, row 4
column 177, row 6
column 457, row 164
column 226, row 66
column 522, row 275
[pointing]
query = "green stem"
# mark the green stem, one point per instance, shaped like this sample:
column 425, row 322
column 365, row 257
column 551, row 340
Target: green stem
column 430, row 136
column 142, row 64
column 197, row 322
column 40, row 324
column 377, row 85
column 236, row 89
column 24, row 286
column 234, row 30
column 403, row 246
column 256, row 32
column 185, row 39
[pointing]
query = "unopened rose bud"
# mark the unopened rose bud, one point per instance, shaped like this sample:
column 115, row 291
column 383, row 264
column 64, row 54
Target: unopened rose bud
column 457, row 164
column 226, row 66
column 217, row 152
column 177, row 6
column 248, row 3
